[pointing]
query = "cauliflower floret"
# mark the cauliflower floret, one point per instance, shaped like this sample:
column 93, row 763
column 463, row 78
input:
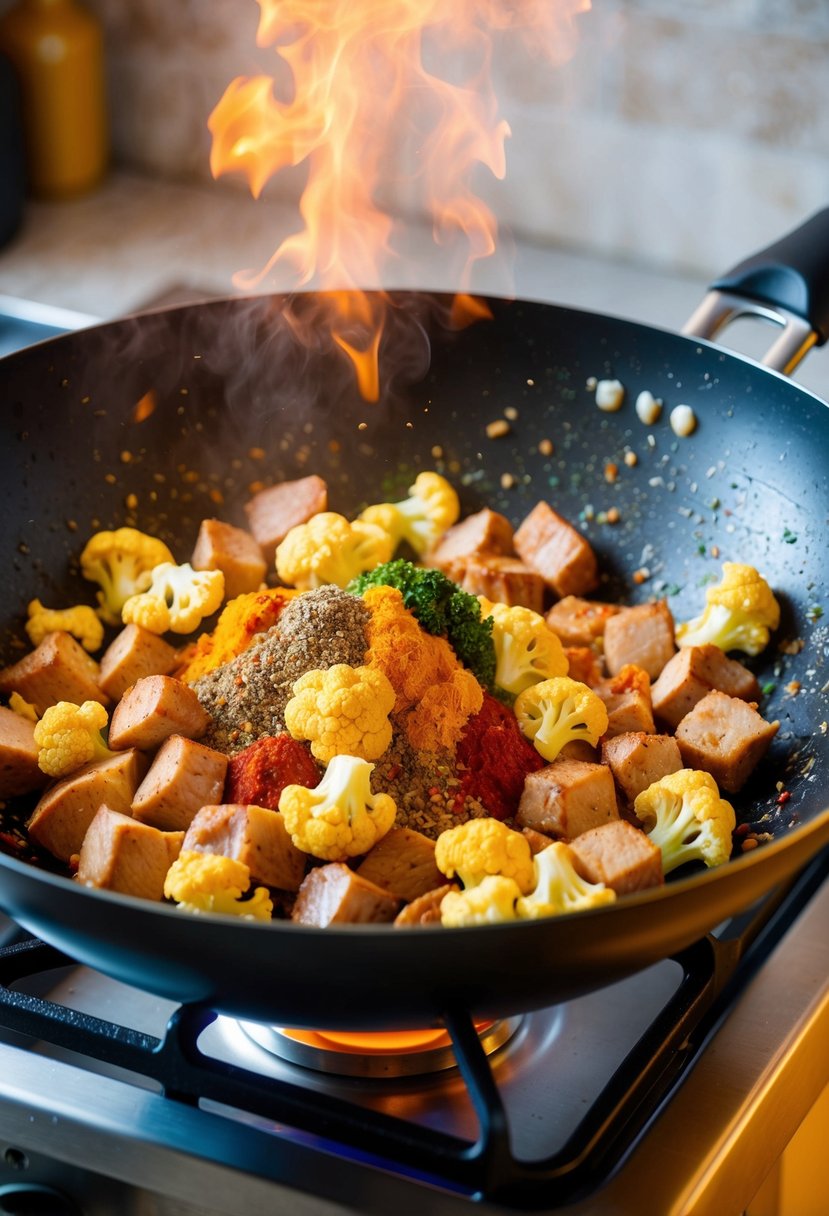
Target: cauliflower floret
column 209, row 882
column 526, row 651
column 558, row 888
column 342, row 711
column 685, row 816
column 81, row 621
column 121, row 562
column 482, row 847
column 22, row 707
column 558, row 711
column 739, row 613
column 177, row 599
column 487, row 903
column 329, row 549
column 340, row 817
column 69, row 736
column 422, row 518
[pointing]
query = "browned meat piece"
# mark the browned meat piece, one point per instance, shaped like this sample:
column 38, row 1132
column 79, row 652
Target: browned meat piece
column 234, row 551
column 425, row 910
column 334, row 895
column 619, row 855
column 59, row 669
column 273, row 512
column 559, row 552
column 403, row 863
column 642, row 636
column 252, row 834
column 183, row 777
column 579, row 749
column 152, row 710
column 580, row 622
column 484, row 533
column 566, row 798
column 504, row 580
column 19, row 773
column 61, row 818
column 119, row 854
column 133, row 654
column 694, row 671
column 584, row 665
column 627, row 697
column 637, row 759
column 726, row 737
column 536, row 840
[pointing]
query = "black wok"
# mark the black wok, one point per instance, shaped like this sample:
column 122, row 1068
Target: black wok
column 220, row 380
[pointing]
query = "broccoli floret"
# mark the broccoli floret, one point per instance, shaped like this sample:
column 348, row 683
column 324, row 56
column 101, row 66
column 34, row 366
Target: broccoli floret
column 442, row 608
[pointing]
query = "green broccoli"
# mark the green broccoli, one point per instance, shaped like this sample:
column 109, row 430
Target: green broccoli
column 442, row 608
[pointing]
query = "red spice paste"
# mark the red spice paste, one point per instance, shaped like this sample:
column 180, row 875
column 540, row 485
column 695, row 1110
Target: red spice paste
column 493, row 759
column 259, row 774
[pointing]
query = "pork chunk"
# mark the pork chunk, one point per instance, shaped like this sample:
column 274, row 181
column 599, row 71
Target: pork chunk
column 152, row 710
column 694, row 671
column 536, row 840
column 627, row 698
column 637, row 759
column 133, row 654
column 580, row 622
column 484, row 533
column 221, row 546
column 566, row 798
column 619, row 855
column 273, row 512
column 425, row 910
column 642, row 636
column 584, row 665
column 119, row 854
column 333, row 895
column 558, row 551
column 403, row 863
column 252, row 834
column 19, row 773
column 504, row 580
column 61, row 818
column 183, row 777
column 59, row 669
column 726, row 737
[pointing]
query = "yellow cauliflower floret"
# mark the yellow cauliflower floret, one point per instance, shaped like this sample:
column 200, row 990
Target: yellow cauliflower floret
column 22, row 707
column 210, row 882
column 526, row 650
column 121, row 562
column 342, row 711
column 81, row 621
column 558, row 711
column 329, row 549
column 422, row 518
column 487, row 903
column 340, row 817
column 69, row 736
column 482, row 847
column 740, row 611
column 177, row 599
column 558, row 888
column 685, row 816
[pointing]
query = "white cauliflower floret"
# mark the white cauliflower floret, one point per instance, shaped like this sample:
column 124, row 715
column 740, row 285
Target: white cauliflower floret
column 178, row 599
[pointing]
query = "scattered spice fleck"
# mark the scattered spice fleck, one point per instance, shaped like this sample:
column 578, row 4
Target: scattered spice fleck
column 789, row 537
column 497, row 429
column 815, row 612
column 611, row 472
column 125, row 457
column 507, row 481
column 783, row 798
column 631, row 459
column 749, row 843
column 768, row 688
column 437, row 451
column 545, row 447
column 613, row 515
column 791, row 646
column 131, row 502
column 641, row 575
column 511, row 412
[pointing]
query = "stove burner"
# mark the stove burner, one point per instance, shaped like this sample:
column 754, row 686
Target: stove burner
column 402, row 1053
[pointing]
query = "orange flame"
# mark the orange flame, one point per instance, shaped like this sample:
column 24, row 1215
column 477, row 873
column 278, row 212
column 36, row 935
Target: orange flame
column 360, row 91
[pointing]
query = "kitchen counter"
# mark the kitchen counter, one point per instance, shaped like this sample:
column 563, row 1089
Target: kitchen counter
column 136, row 240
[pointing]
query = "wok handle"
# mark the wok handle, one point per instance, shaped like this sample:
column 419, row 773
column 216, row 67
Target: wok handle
column 786, row 283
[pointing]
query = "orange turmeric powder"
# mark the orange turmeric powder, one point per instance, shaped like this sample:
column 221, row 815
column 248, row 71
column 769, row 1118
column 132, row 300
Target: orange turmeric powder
column 241, row 620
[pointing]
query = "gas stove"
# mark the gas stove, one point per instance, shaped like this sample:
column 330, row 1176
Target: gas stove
column 673, row 1091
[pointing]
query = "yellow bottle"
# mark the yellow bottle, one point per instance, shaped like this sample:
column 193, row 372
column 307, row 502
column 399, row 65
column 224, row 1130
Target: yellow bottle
column 56, row 47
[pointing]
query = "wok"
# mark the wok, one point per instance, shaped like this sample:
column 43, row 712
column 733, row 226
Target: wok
column 177, row 409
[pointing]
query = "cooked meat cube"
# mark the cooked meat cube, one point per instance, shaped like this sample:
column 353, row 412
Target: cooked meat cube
column 627, row 697
column 19, row 773
column 119, row 854
column 252, row 834
column 637, row 759
column 234, row 551
column 183, row 777
column 579, row 749
column 536, row 840
column 425, row 910
column 694, row 671
column 152, row 710
column 619, row 855
column 62, row 816
column 584, row 665
column 59, row 669
column 643, row 636
column 504, row 580
column 484, row 533
column 726, row 737
column 559, row 552
column 273, row 512
column 334, row 895
column 403, row 863
column 133, row 654
column 580, row 622
column 566, row 798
